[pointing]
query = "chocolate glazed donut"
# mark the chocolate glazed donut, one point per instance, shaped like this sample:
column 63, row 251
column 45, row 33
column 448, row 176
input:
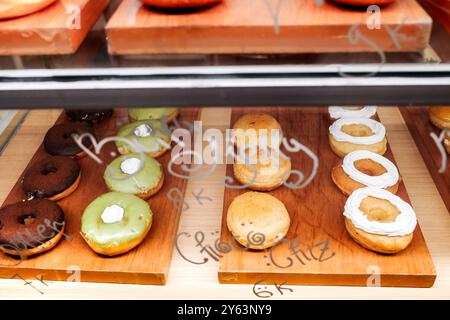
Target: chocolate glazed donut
column 53, row 177
column 59, row 141
column 30, row 227
column 90, row 116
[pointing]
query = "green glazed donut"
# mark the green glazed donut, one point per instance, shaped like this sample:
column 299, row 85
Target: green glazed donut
column 150, row 143
column 143, row 183
column 152, row 113
column 115, row 238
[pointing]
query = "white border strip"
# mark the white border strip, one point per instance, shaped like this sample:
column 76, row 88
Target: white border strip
column 226, row 70
column 223, row 83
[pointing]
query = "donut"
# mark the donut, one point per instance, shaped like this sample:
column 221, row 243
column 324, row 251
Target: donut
column 379, row 220
column 364, row 3
column 115, row 223
column 90, row 116
column 271, row 170
column 59, row 140
column 54, row 178
column 362, row 168
column 440, row 117
column 351, row 134
column 352, row 112
column 257, row 220
column 148, row 134
column 30, row 227
column 17, row 8
column 152, row 114
column 130, row 173
column 252, row 129
column 179, row 3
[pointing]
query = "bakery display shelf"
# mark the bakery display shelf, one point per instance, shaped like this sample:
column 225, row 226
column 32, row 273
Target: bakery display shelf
column 317, row 223
column 420, row 127
column 236, row 27
column 146, row 264
column 55, row 30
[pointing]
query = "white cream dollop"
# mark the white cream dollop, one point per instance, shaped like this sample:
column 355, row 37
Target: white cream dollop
column 130, row 166
column 404, row 223
column 387, row 179
column 113, row 214
column 352, row 112
column 143, row 130
column 377, row 128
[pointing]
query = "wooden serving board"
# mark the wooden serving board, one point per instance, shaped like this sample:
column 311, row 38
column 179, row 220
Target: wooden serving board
column 53, row 30
column 237, row 26
column 330, row 256
column 419, row 125
column 146, row 264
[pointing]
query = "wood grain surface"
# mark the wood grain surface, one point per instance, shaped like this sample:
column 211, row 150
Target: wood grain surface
column 53, row 30
column 325, row 254
column 147, row 264
column 419, row 125
column 237, row 26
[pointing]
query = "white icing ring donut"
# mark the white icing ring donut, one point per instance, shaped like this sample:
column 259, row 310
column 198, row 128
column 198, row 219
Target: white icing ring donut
column 404, row 224
column 345, row 112
column 378, row 130
column 385, row 180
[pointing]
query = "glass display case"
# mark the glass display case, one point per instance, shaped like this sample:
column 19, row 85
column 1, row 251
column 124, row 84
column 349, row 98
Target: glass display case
column 225, row 151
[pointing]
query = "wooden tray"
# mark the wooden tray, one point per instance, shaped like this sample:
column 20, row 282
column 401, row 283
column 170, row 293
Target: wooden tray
column 317, row 221
column 147, row 264
column 49, row 31
column 236, row 26
column 419, row 125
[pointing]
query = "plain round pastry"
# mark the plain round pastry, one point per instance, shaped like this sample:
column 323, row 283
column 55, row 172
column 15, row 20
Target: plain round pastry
column 351, row 134
column 152, row 114
column 30, row 227
column 180, row 3
column 250, row 128
column 146, row 134
column 59, row 140
column 130, row 173
column 90, row 116
column 352, row 112
column 360, row 169
column 271, row 170
column 53, row 177
column 17, row 8
column 440, row 117
column 379, row 220
column 109, row 236
column 257, row 220
column 365, row 3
